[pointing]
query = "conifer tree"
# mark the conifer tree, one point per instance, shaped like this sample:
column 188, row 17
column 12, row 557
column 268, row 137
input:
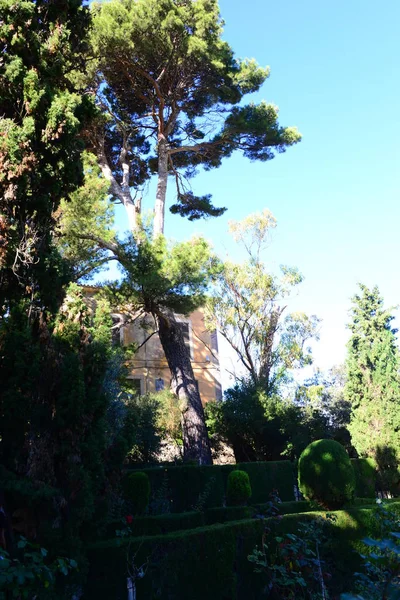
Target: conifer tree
column 41, row 44
column 373, row 383
column 172, row 93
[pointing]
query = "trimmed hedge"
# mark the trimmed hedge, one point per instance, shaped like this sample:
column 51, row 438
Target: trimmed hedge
column 160, row 524
column 224, row 514
column 326, row 474
column 136, row 487
column 365, row 470
column 238, row 488
column 188, row 482
column 163, row 524
column 236, row 513
column 211, row 562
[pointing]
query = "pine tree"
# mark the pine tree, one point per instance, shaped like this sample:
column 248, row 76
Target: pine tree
column 172, row 93
column 373, row 383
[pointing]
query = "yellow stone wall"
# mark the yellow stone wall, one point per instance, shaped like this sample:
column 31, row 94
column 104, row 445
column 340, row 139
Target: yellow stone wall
column 149, row 362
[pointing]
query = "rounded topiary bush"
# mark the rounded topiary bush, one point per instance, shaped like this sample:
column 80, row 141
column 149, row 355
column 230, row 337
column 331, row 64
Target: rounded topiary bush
column 238, row 489
column 136, row 488
column 326, row 474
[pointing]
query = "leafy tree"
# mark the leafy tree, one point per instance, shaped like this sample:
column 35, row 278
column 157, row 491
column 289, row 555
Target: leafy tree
column 247, row 307
column 40, row 152
column 322, row 399
column 254, row 423
column 373, row 385
column 169, row 86
column 87, row 209
column 171, row 92
column 58, row 383
column 160, row 280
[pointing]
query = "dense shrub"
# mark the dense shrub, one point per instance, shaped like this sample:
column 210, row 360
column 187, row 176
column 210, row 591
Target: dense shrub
column 270, row 477
column 365, row 470
column 238, row 490
column 179, row 563
column 186, row 483
column 326, row 474
column 137, row 491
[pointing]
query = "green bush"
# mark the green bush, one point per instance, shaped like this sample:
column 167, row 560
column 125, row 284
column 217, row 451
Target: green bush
column 137, row 491
column 326, row 474
column 238, row 490
column 225, row 514
column 267, row 477
column 186, row 483
column 179, row 563
column 365, row 470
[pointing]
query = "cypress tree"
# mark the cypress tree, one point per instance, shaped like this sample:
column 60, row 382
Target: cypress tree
column 373, row 383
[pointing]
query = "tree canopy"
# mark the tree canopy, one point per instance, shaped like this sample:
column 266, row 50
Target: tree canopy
column 247, row 304
column 41, row 43
column 171, row 92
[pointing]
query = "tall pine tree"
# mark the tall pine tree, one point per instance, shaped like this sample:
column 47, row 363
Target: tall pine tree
column 373, row 383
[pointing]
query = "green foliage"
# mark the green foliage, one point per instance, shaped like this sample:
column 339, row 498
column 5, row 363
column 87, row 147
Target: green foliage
column 262, row 426
column 159, row 91
column 69, row 432
column 373, row 384
column 160, row 524
column 145, row 413
column 295, row 569
column 326, row 474
column 137, row 491
column 238, row 490
column 381, row 570
column 245, row 308
column 188, row 556
column 163, row 275
column 224, row 514
column 30, row 573
column 86, row 212
column 204, row 495
column 40, row 151
column 365, row 470
column 184, row 485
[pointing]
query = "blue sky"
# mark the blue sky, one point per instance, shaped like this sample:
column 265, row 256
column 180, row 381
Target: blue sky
column 335, row 75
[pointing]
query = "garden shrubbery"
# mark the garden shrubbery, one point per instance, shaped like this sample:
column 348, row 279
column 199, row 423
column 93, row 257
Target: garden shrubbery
column 179, row 563
column 365, row 470
column 238, row 489
column 137, row 491
column 186, row 483
column 326, row 474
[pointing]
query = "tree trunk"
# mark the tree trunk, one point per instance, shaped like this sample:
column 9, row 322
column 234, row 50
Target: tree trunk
column 196, row 445
column 131, row 210
column 159, row 209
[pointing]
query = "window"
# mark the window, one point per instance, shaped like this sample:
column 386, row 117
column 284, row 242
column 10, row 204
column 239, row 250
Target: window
column 214, row 341
column 159, row 384
column 134, row 387
column 185, row 328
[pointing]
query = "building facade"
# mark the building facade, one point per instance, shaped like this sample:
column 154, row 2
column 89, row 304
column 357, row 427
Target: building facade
column 148, row 369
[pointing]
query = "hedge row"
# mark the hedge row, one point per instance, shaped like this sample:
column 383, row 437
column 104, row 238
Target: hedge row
column 162, row 524
column 365, row 470
column 187, row 485
column 211, row 562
